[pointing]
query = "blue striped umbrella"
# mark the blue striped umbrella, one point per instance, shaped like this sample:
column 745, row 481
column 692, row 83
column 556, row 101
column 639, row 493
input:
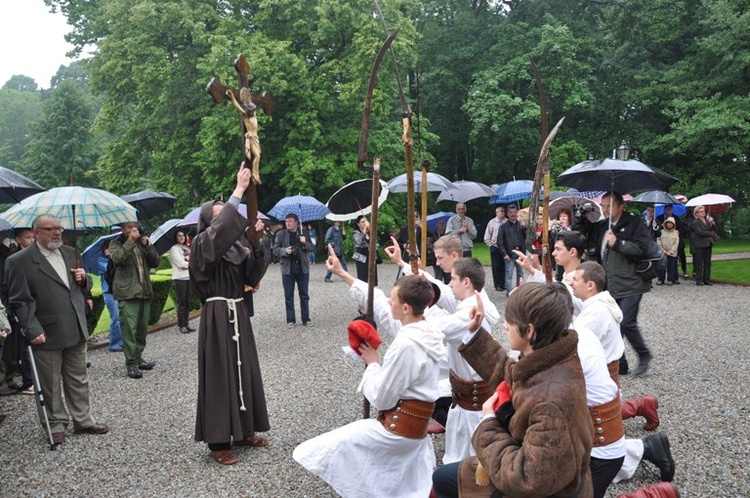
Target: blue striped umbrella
column 306, row 208
column 512, row 191
column 93, row 208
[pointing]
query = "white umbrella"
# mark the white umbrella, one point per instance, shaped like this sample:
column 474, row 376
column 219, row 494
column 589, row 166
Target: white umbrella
column 466, row 191
column 435, row 183
column 709, row 200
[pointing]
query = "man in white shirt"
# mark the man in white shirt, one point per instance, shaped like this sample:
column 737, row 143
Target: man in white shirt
column 496, row 256
column 462, row 226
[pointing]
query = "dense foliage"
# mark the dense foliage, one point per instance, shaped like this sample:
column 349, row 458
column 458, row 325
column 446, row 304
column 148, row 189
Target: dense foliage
column 670, row 77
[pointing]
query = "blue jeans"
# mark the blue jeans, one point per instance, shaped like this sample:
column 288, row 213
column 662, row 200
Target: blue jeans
column 343, row 265
column 115, row 330
column 510, row 265
column 303, row 281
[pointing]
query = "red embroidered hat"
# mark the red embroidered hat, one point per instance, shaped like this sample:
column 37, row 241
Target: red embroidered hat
column 361, row 331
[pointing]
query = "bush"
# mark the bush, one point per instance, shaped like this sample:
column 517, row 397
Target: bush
column 738, row 224
column 161, row 284
column 92, row 319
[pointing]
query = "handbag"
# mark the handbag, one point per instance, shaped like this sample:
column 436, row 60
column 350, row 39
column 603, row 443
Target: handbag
column 651, row 263
column 359, row 257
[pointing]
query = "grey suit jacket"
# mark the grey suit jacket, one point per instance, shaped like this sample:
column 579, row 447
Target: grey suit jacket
column 279, row 249
column 41, row 300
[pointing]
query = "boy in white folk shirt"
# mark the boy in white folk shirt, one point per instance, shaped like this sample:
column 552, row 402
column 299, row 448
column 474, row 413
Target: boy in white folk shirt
column 368, row 458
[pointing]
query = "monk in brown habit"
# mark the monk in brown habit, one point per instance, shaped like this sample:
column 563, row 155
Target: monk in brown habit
column 231, row 401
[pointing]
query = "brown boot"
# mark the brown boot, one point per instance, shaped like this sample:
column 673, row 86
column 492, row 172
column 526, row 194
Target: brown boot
column 645, row 407
column 660, row 490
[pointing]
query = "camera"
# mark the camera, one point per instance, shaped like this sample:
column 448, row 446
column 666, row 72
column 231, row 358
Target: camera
column 583, row 208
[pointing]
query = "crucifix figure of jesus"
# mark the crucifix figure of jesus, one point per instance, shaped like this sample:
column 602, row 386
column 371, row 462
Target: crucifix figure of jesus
column 246, row 108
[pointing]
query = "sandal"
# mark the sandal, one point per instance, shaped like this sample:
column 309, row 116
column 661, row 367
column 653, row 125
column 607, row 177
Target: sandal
column 254, row 441
column 224, row 457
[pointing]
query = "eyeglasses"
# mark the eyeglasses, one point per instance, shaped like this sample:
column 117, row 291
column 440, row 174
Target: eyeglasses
column 52, row 229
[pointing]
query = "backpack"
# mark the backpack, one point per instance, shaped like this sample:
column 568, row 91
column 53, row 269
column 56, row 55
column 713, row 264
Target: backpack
column 109, row 273
column 652, row 263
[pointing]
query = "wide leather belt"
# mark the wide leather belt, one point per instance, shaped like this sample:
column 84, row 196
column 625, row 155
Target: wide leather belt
column 409, row 418
column 614, row 371
column 469, row 394
column 607, row 419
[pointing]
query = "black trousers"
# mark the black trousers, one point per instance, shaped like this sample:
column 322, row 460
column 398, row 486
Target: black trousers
column 498, row 268
column 629, row 327
column 440, row 413
column 182, row 287
column 445, row 481
column 602, row 473
column 702, row 263
column 682, row 256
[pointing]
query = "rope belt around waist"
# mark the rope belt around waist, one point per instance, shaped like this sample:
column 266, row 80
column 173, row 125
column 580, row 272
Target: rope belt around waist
column 614, row 371
column 232, row 306
column 409, row 418
column 469, row 394
column 607, row 419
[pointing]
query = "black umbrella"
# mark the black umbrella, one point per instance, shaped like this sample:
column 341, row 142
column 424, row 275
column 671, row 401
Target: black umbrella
column 624, row 176
column 14, row 187
column 656, row 197
column 354, row 199
column 163, row 237
column 149, row 203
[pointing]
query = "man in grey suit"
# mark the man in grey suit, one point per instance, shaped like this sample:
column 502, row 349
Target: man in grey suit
column 45, row 290
column 291, row 247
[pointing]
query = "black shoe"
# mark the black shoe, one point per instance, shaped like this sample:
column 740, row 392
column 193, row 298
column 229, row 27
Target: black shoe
column 676, row 282
column 623, row 369
column 656, row 450
column 2, row 417
column 191, row 329
column 660, row 282
column 88, row 364
column 184, row 330
column 707, row 283
column 643, row 364
column 134, row 373
column 146, row 365
column 699, row 284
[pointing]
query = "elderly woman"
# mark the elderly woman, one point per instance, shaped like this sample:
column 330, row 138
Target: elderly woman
column 231, row 401
column 702, row 240
column 536, row 436
column 179, row 256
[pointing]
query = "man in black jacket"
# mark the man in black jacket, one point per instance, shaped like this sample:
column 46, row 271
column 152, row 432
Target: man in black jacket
column 618, row 247
column 511, row 236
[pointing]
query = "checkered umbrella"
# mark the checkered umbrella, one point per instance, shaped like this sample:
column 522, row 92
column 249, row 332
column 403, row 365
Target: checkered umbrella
column 306, row 208
column 93, row 208
column 512, row 191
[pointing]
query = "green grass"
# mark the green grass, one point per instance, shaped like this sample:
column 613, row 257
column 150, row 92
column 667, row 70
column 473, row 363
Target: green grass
column 724, row 246
column 735, row 271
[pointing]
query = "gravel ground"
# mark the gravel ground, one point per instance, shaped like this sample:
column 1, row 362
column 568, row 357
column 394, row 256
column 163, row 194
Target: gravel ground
column 696, row 335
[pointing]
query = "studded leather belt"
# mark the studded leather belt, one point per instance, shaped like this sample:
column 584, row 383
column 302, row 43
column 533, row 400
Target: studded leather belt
column 469, row 394
column 409, row 418
column 607, row 419
column 614, row 371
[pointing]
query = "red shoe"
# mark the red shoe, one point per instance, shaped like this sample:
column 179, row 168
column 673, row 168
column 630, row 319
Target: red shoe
column 645, row 407
column 660, row 490
column 435, row 428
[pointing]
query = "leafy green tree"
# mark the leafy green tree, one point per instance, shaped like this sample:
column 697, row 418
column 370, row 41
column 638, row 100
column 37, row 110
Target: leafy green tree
column 21, row 83
column 18, row 110
column 61, row 150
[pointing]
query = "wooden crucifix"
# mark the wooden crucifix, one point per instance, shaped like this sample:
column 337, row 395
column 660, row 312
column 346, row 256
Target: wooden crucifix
column 246, row 104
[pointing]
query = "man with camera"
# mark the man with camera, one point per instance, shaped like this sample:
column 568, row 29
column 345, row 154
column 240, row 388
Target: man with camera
column 292, row 248
column 617, row 242
column 133, row 256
